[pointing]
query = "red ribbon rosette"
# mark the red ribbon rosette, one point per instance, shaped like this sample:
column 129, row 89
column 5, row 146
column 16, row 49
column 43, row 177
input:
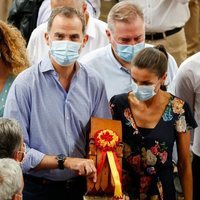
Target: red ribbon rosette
column 107, row 140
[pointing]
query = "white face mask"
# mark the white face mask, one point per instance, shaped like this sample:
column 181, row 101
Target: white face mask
column 143, row 92
column 65, row 52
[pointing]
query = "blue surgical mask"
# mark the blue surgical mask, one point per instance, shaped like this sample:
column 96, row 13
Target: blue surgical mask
column 127, row 52
column 65, row 52
column 143, row 92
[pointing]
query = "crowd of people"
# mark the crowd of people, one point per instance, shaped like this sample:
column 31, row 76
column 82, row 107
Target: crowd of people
column 61, row 65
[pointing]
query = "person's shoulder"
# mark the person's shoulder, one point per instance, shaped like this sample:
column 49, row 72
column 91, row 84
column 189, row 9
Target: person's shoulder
column 99, row 22
column 99, row 28
column 191, row 63
column 41, row 29
column 120, row 99
column 190, row 69
column 183, row 110
column 95, row 54
column 90, row 73
column 177, row 101
column 28, row 74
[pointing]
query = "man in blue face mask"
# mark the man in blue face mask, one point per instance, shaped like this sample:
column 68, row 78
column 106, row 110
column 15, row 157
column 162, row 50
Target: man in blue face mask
column 53, row 102
column 126, row 34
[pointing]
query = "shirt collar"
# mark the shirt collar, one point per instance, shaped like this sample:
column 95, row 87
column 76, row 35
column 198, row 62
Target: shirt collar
column 117, row 63
column 46, row 65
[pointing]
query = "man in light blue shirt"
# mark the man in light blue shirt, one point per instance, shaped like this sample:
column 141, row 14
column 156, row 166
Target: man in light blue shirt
column 53, row 102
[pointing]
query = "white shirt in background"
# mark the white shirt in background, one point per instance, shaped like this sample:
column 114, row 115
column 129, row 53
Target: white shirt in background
column 44, row 12
column 164, row 15
column 187, row 87
column 93, row 7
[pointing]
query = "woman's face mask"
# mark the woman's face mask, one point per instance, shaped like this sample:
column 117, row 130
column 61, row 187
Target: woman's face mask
column 143, row 92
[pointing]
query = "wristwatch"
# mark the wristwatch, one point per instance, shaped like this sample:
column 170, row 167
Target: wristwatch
column 61, row 159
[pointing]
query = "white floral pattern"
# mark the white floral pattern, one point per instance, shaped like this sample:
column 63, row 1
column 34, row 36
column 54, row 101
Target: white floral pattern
column 181, row 125
column 151, row 158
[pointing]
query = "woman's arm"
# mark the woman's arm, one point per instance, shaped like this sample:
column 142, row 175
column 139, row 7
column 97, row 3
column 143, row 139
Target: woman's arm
column 184, row 164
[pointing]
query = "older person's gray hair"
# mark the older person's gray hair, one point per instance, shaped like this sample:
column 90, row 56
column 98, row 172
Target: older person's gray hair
column 124, row 11
column 10, row 137
column 10, row 178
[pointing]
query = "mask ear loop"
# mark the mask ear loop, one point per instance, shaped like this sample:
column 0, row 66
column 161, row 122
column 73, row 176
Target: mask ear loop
column 134, row 86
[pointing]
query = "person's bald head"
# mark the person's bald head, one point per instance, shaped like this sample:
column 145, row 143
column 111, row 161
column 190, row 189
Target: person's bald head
column 77, row 4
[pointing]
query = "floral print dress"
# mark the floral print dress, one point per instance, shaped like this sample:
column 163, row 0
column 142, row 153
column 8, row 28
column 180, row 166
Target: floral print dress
column 147, row 156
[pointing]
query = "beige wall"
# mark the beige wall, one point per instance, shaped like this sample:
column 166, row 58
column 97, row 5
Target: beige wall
column 4, row 9
column 106, row 5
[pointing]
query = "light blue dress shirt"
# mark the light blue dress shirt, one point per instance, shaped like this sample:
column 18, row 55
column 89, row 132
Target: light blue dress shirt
column 54, row 121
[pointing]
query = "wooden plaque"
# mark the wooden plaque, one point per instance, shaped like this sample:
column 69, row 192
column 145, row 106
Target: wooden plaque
column 104, row 186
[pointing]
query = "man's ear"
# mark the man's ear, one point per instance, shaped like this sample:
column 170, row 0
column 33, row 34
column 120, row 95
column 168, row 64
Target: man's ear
column 108, row 35
column 84, row 8
column 85, row 39
column 46, row 36
column 15, row 156
column 164, row 77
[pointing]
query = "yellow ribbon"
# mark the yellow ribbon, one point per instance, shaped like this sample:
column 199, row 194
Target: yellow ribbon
column 115, row 174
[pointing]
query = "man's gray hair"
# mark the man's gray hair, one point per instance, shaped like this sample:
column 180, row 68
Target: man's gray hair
column 10, row 137
column 124, row 11
column 10, row 178
column 68, row 13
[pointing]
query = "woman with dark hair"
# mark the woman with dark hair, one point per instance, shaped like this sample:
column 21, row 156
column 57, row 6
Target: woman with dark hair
column 13, row 59
column 152, row 120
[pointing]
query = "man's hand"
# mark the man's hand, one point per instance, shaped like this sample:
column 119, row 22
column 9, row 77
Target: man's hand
column 84, row 167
